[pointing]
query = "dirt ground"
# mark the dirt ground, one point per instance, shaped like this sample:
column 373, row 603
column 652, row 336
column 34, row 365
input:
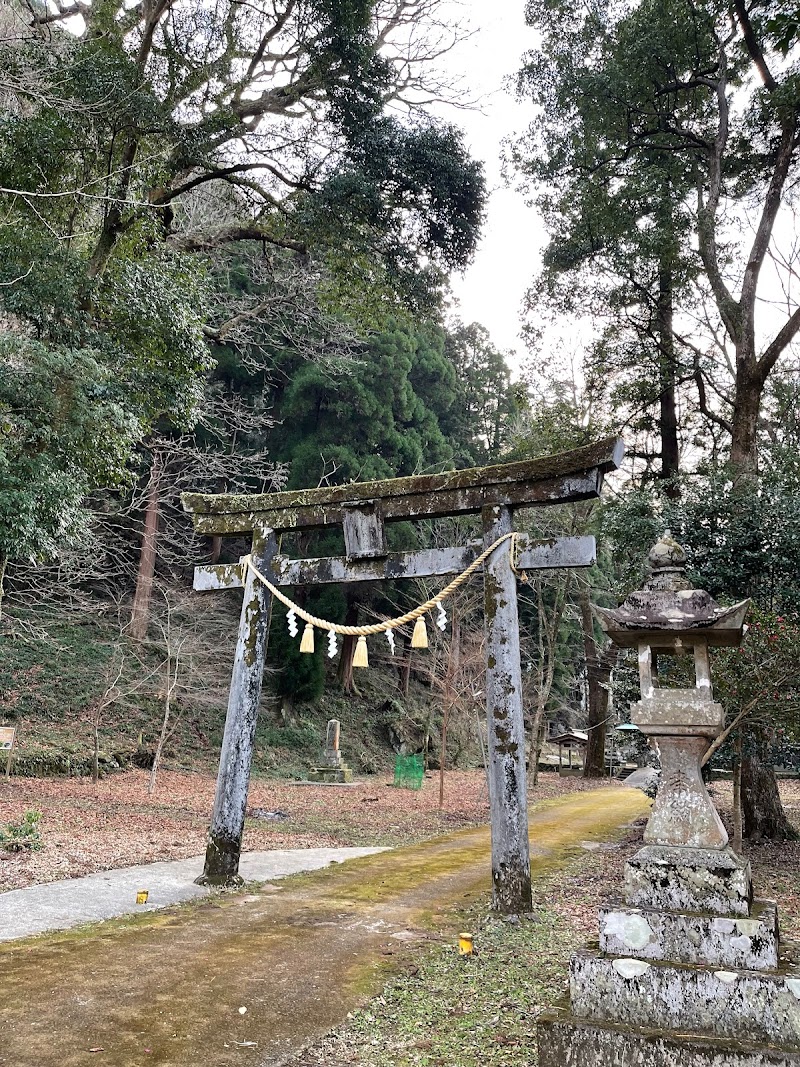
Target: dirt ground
column 87, row 827
column 115, row 823
column 439, row 1014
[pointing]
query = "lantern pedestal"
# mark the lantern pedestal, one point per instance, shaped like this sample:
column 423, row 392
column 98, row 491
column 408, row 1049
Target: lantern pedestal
column 680, row 725
column 716, row 881
column 688, row 973
column 565, row 1041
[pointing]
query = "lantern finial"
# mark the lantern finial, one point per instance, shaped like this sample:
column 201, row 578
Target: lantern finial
column 667, row 561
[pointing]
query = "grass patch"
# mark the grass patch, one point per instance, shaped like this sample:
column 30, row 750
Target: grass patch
column 453, row 1011
column 476, row 1011
column 445, row 1010
column 23, row 835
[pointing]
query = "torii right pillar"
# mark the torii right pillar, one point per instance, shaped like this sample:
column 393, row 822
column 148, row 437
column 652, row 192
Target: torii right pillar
column 508, row 801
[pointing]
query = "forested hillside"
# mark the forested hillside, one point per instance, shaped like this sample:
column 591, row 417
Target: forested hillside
column 223, row 258
column 226, row 240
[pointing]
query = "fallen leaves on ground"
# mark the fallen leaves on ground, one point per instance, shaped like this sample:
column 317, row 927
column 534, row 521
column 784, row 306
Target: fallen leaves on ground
column 89, row 826
column 776, row 864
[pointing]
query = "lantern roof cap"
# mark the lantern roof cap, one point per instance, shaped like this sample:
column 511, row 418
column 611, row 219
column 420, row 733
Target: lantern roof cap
column 666, row 610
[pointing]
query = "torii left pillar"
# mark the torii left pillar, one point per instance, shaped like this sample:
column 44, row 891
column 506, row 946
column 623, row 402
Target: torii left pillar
column 230, row 800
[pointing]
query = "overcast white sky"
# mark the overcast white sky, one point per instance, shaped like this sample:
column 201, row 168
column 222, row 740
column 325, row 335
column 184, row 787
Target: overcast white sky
column 491, row 290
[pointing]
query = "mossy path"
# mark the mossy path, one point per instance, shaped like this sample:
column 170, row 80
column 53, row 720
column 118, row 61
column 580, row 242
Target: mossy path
column 169, row 988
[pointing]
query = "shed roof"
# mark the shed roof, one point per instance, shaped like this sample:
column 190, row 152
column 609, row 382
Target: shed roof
column 575, row 737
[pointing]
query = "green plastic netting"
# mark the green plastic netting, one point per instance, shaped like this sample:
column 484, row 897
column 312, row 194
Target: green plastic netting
column 409, row 772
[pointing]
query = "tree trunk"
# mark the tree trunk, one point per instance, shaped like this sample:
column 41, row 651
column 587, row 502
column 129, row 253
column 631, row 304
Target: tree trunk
column 548, row 634
column 405, row 668
column 345, row 671
column 95, row 754
column 744, row 436
column 598, row 672
column 762, row 809
column 737, row 796
column 3, row 562
column 538, row 745
column 216, row 548
column 668, row 419
column 453, row 661
column 140, row 611
column 443, row 752
column 216, row 540
column 162, row 739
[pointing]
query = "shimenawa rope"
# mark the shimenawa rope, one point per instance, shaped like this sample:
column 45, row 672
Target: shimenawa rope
column 388, row 624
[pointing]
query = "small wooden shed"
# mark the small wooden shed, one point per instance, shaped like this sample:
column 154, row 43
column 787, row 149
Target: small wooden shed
column 569, row 740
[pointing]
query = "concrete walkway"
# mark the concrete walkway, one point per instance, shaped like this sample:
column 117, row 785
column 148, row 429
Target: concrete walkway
column 107, row 894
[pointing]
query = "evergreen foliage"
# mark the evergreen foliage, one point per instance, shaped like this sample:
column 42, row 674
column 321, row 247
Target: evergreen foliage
column 657, row 124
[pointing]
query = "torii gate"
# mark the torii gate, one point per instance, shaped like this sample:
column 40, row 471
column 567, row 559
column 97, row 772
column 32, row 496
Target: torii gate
column 362, row 509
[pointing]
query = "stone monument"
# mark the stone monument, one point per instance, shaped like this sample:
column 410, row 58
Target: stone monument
column 688, row 970
column 331, row 767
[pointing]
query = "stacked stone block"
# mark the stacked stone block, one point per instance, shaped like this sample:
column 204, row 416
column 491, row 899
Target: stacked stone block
column 689, row 971
column 331, row 767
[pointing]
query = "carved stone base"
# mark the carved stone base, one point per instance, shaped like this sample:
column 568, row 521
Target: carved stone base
column 566, row 1041
column 331, row 757
column 750, row 944
column 683, row 813
column 340, row 773
column 686, row 975
column 689, row 879
column 741, row 1005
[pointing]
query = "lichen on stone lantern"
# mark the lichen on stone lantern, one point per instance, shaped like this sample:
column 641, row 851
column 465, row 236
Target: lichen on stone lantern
column 668, row 618
column 687, row 971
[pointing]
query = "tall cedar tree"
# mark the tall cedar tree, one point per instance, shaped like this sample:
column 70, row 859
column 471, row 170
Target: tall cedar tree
column 658, row 124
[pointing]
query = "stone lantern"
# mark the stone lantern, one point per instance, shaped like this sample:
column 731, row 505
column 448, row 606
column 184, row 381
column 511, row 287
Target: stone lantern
column 667, row 618
column 687, row 972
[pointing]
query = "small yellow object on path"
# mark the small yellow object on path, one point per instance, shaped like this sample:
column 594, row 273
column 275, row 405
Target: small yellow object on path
column 142, row 895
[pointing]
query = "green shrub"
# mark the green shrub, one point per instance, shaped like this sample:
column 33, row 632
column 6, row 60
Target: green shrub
column 299, row 735
column 22, row 836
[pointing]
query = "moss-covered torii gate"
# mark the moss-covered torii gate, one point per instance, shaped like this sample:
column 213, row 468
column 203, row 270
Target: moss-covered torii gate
column 362, row 509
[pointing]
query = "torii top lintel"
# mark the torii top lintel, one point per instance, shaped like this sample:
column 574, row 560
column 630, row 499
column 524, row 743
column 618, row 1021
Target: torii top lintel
column 563, row 478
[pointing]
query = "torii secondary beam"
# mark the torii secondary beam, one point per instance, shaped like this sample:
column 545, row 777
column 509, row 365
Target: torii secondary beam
column 426, row 563
column 362, row 509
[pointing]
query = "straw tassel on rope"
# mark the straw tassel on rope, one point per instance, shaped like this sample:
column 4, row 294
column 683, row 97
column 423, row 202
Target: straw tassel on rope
column 419, row 638
column 360, row 656
column 307, row 642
